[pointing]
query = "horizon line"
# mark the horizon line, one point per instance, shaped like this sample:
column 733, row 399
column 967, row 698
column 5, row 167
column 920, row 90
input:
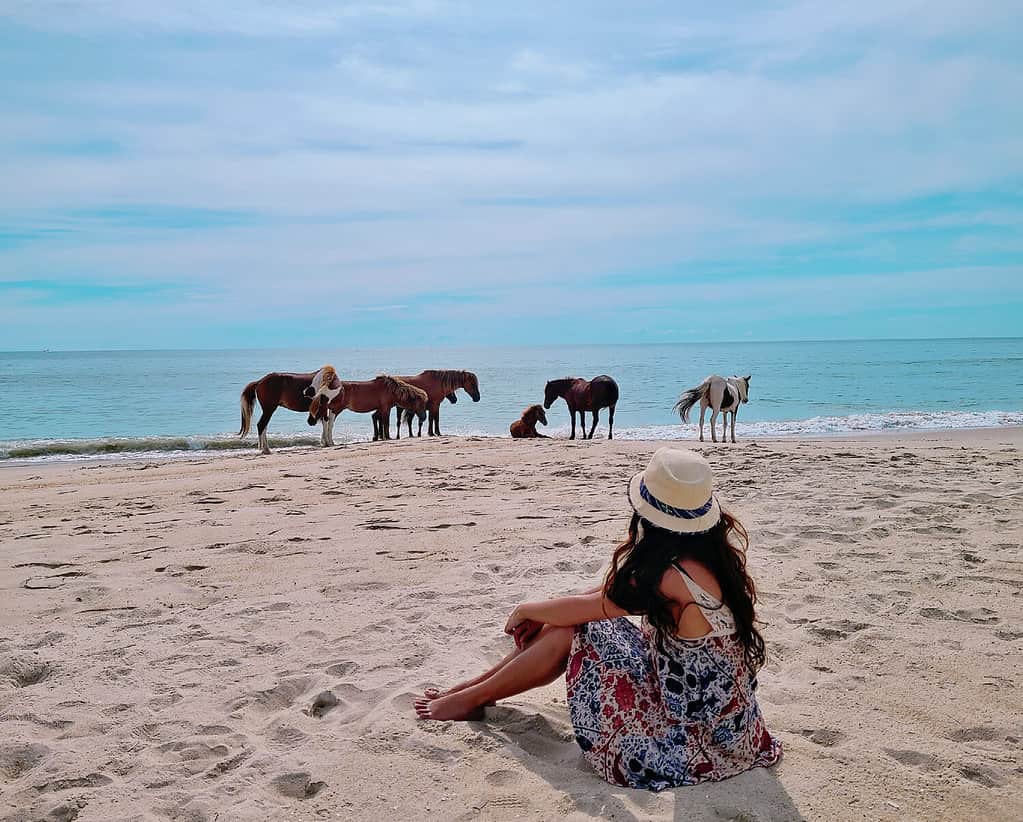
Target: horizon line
column 746, row 341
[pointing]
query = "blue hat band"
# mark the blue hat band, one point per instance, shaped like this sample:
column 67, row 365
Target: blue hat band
column 672, row 511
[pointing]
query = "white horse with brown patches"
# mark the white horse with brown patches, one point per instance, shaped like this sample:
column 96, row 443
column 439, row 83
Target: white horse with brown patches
column 326, row 384
column 718, row 394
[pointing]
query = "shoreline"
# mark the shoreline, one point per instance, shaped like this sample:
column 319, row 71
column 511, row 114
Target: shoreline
column 166, row 628
column 206, row 454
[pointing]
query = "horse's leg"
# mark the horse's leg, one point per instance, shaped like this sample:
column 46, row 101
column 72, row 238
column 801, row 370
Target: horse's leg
column 593, row 427
column 264, row 421
column 331, row 416
column 610, row 422
column 703, row 411
column 733, row 423
column 397, row 408
column 433, row 428
column 571, row 413
column 713, row 424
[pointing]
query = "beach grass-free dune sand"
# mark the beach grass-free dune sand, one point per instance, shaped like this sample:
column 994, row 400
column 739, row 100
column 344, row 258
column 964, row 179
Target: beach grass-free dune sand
column 243, row 637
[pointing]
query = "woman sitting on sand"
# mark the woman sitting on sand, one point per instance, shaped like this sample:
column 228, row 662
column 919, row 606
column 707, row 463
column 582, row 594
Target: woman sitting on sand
column 671, row 703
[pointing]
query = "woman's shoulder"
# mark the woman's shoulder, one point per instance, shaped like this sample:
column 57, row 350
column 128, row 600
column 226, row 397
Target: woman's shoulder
column 701, row 575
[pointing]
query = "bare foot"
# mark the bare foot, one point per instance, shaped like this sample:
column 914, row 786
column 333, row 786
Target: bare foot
column 455, row 706
column 437, row 693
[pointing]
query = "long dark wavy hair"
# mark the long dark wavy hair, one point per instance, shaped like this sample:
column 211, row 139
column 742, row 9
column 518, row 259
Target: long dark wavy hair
column 634, row 580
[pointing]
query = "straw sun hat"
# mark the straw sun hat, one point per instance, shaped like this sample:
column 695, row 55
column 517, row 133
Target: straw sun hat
column 676, row 492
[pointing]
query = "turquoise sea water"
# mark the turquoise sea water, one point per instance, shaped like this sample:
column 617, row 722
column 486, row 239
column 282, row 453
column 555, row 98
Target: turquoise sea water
column 60, row 405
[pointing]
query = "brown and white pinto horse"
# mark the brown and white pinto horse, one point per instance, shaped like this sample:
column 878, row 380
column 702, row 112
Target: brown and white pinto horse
column 439, row 384
column 377, row 396
column 585, row 395
column 274, row 390
column 524, row 428
column 717, row 394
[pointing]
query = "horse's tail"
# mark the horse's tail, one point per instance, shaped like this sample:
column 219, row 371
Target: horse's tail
column 248, row 401
column 407, row 415
column 689, row 399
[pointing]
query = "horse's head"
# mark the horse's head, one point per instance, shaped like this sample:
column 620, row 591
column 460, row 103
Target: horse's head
column 326, row 380
column 472, row 386
column 743, row 385
column 550, row 393
column 541, row 415
column 317, row 409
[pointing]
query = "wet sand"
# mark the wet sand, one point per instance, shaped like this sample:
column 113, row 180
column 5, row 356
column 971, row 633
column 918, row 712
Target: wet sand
column 242, row 637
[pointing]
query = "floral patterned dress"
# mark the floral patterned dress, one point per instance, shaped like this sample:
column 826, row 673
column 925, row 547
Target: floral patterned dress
column 647, row 719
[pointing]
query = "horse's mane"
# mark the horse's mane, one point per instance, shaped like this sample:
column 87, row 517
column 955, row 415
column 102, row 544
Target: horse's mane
column 327, row 375
column 562, row 384
column 534, row 410
column 451, row 381
column 407, row 396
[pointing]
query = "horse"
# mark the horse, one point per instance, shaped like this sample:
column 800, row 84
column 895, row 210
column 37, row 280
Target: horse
column 378, row 395
column 421, row 415
column 719, row 394
column 280, row 389
column 524, row 428
column 585, row 395
column 440, row 384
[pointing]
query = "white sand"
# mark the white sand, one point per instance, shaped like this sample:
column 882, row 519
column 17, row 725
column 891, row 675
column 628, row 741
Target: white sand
column 164, row 630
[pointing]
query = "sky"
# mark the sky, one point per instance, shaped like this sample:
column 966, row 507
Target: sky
column 257, row 174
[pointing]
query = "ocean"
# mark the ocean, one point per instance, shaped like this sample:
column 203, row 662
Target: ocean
column 94, row 404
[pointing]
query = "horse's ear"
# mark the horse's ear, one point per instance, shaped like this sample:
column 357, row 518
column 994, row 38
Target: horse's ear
column 747, row 378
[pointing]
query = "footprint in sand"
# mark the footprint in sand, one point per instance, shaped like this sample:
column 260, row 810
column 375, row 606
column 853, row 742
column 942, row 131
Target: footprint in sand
column 825, row 737
column 280, row 696
column 917, row 759
column 297, row 785
column 982, row 733
column 92, row 780
column 323, row 703
column 982, row 774
column 978, row 615
column 23, row 673
column 20, row 758
column 502, row 778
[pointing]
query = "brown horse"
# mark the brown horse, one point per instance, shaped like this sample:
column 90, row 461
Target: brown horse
column 421, row 415
column 524, row 428
column 440, row 384
column 378, row 396
column 274, row 390
column 581, row 396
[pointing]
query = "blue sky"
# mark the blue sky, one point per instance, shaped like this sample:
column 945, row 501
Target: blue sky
column 235, row 174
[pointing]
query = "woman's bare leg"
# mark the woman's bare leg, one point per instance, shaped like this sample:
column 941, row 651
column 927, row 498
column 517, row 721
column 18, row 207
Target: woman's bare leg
column 434, row 693
column 539, row 664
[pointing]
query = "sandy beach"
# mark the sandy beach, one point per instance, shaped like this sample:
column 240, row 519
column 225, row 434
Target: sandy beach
column 242, row 637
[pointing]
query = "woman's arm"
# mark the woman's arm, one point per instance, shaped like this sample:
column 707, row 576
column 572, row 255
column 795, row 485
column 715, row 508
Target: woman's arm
column 566, row 611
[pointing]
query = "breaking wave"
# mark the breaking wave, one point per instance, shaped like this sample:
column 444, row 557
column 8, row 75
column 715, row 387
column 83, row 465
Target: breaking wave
column 179, row 447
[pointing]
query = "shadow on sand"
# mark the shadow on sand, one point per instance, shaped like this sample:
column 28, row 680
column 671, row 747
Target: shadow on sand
column 547, row 747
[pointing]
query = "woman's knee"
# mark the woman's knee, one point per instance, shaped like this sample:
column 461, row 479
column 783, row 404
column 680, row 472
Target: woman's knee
column 563, row 636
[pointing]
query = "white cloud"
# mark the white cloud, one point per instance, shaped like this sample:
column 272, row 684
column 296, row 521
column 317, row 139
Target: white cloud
column 451, row 143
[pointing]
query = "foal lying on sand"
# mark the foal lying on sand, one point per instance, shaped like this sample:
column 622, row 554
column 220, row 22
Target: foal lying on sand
column 524, row 428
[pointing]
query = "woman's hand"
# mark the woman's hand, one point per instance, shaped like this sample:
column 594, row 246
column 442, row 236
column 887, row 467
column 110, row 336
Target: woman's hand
column 525, row 632
column 521, row 628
